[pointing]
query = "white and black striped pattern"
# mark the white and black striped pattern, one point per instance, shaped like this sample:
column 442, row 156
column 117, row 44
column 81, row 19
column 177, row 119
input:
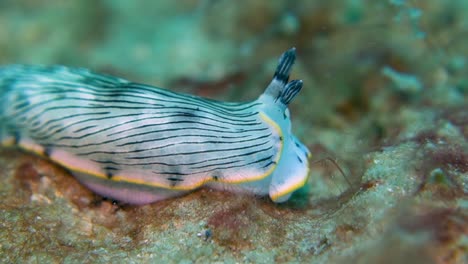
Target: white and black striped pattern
column 120, row 137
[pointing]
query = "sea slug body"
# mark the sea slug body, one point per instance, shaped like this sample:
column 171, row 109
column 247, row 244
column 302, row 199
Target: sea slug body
column 139, row 144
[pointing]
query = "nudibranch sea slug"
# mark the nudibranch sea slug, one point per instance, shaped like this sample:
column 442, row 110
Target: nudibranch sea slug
column 139, row 144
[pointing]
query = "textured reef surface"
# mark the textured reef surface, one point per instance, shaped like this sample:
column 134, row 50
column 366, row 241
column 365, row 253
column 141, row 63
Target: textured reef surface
column 385, row 95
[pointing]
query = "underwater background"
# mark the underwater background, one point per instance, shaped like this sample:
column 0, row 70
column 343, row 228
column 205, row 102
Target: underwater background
column 385, row 95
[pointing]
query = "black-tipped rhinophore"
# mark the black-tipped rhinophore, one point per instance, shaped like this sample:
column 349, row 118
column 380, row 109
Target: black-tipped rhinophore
column 279, row 86
column 285, row 64
column 290, row 91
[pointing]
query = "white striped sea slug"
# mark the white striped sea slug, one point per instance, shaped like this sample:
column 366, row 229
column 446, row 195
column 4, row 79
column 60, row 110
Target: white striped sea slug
column 139, row 144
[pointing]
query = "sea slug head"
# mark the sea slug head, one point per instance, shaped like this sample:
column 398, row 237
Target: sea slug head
column 292, row 169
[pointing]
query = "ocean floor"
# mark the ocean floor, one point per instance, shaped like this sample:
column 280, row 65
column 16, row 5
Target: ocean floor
column 385, row 97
